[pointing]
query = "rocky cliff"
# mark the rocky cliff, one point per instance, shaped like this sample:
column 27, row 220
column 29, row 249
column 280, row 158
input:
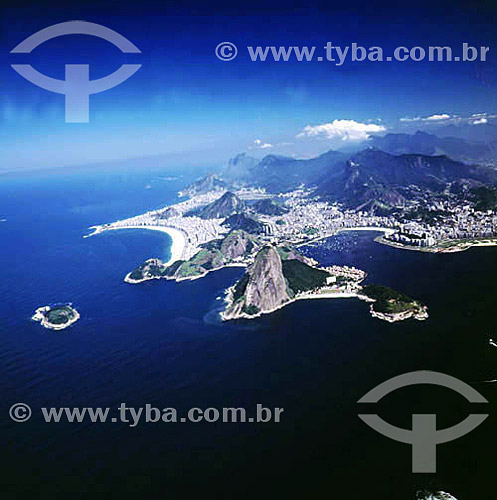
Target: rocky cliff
column 263, row 287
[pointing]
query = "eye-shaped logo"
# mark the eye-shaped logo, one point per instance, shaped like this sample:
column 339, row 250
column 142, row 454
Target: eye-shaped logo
column 424, row 436
column 77, row 86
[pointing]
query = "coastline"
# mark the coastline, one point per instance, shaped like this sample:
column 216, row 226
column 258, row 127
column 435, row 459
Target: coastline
column 128, row 279
column 338, row 294
column 456, row 245
column 384, row 230
column 178, row 245
column 453, row 245
column 327, row 295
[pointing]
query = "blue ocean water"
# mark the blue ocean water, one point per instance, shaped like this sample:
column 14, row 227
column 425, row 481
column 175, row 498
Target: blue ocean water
column 160, row 343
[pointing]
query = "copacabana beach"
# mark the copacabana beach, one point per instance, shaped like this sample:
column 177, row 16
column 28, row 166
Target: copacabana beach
column 178, row 245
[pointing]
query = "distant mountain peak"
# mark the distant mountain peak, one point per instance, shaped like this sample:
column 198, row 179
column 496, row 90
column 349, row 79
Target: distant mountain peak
column 210, row 182
column 228, row 204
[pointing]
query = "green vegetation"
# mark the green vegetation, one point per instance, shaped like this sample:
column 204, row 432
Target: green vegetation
column 60, row 315
column 240, row 287
column 233, row 238
column 149, row 268
column 302, row 277
column 189, row 269
column 311, row 231
column 423, row 214
column 251, row 310
column 245, row 223
column 389, row 301
column 171, row 270
column 287, row 253
column 269, row 207
column 137, row 274
column 485, row 198
column 214, row 254
column 205, row 259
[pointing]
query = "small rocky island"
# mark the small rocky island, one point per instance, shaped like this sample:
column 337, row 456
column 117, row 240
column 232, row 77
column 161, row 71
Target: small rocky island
column 57, row 317
column 392, row 306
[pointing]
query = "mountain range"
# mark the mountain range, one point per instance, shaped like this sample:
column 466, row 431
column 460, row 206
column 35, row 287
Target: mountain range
column 393, row 168
column 428, row 144
column 373, row 176
column 280, row 173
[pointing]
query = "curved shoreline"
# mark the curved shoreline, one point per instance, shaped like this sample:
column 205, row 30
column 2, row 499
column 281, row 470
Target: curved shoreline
column 177, row 236
column 384, row 230
column 457, row 246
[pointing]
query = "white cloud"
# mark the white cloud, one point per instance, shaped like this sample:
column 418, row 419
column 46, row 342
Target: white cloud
column 435, row 118
column 346, row 130
column 432, row 118
column 474, row 119
column 481, row 118
column 407, row 119
column 479, row 121
column 262, row 145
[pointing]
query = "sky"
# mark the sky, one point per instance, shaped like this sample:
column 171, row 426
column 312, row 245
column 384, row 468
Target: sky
column 186, row 103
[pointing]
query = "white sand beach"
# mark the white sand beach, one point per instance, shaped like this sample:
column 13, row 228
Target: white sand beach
column 178, row 245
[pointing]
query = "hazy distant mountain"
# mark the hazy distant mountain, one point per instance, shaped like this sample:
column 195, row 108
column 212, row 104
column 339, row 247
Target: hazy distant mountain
column 239, row 167
column 375, row 177
column 485, row 132
column 428, row 144
column 226, row 205
column 280, row 173
column 208, row 183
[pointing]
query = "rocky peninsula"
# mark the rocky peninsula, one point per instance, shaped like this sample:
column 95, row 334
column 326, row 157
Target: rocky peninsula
column 218, row 228
column 234, row 249
column 279, row 275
